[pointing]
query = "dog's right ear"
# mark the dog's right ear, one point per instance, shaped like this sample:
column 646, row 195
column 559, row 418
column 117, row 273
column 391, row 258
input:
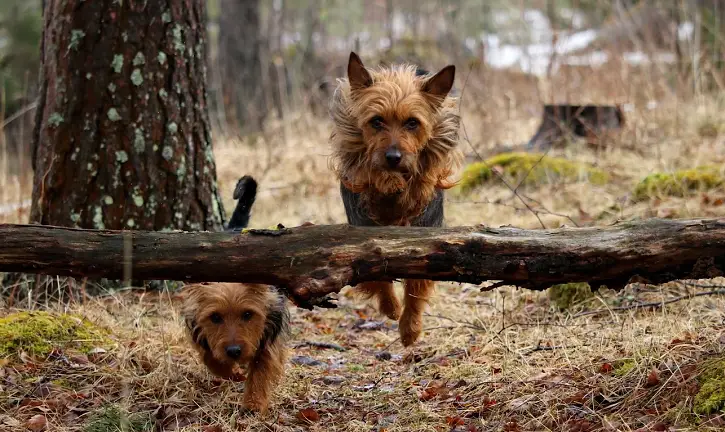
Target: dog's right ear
column 358, row 76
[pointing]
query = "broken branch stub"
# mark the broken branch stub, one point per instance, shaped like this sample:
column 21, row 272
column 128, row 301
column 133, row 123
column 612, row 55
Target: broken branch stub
column 311, row 262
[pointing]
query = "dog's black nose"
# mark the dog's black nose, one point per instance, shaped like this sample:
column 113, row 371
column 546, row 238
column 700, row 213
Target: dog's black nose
column 234, row 351
column 393, row 157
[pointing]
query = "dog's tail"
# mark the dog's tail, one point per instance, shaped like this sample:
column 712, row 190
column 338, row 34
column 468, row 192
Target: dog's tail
column 245, row 193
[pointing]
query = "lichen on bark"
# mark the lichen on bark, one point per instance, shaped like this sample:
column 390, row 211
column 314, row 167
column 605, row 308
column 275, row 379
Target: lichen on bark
column 128, row 147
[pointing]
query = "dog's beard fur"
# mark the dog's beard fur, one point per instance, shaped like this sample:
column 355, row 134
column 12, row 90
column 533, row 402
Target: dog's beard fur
column 430, row 154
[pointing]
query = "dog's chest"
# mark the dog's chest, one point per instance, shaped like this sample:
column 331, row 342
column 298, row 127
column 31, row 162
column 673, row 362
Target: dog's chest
column 377, row 210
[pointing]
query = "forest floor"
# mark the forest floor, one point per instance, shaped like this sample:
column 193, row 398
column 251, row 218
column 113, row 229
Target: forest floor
column 506, row 360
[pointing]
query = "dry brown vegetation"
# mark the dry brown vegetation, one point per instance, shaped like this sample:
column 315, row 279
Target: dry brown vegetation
column 506, row 360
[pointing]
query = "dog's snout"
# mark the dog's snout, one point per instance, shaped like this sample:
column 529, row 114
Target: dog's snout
column 393, row 157
column 234, row 351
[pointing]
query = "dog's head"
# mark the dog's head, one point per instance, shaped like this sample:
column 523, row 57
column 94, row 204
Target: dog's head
column 233, row 321
column 393, row 124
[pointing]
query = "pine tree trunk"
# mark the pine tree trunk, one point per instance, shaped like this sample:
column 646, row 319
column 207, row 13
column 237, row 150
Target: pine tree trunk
column 122, row 137
column 239, row 51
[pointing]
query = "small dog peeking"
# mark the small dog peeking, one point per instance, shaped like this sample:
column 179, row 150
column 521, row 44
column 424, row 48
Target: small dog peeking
column 395, row 145
column 233, row 324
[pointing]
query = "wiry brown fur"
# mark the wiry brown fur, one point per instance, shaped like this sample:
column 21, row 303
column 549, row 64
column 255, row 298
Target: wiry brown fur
column 395, row 95
column 249, row 316
column 410, row 193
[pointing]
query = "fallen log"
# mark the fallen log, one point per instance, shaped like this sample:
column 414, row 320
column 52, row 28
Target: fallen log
column 311, row 262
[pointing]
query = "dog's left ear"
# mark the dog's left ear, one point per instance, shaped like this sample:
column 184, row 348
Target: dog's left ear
column 277, row 323
column 441, row 83
column 358, row 76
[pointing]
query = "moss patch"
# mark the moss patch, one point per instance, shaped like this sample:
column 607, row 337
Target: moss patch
column 113, row 418
column 563, row 296
column 710, row 399
column 37, row 333
column 624, row 367
column 537, row 170
column 679, row 183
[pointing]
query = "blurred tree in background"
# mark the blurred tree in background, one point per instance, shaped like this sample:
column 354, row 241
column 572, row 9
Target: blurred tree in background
column 20, row 28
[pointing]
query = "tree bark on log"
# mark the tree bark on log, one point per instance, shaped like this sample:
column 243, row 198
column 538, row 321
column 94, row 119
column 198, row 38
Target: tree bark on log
column 311, row 262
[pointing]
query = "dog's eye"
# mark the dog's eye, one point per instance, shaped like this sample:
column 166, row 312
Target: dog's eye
column 216, row 318
column 377, row 123
column 247, row 315
column 411, row 124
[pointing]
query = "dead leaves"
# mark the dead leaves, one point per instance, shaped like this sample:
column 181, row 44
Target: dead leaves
column 653, row 378
column 37, row 423
column 308, row 415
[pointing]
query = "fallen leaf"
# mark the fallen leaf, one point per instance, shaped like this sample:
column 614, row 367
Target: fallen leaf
column 36, row 423
column 721, row 339
column 308, row 415
column 79, row 359
column 305, row 361
column 386, row 355
column 606, row 368
column 333, row 379
column 653, row 378
column 454, row 421
column 371, row 325
column 9, row 421
column 428, row 394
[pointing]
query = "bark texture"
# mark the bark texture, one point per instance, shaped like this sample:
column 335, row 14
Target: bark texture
column 314, row 261
column 122, row 137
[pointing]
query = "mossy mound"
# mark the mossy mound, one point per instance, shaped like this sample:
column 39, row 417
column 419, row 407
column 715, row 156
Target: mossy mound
column 38, row 333
column 537, row 170
column 113, row 418
column 563, row 296
column 710, row 399
column 679, row 183
column 624, row 367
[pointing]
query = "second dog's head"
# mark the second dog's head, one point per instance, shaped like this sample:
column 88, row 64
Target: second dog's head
column 392, row 125
column 233, row 322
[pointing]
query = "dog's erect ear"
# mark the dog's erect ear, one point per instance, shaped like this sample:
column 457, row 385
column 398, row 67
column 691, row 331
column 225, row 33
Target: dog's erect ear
column 441, row 83
column 357, row 74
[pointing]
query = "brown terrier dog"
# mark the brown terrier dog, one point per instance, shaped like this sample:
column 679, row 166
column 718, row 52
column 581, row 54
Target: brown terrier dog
column 395, row 139
column 234, row 324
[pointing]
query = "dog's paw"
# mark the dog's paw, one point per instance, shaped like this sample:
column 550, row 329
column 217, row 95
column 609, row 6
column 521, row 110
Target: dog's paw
column 247, row 412
column 411, row 326
column 250, row 408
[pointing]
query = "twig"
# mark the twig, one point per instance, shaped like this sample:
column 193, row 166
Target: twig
column 650, row 305
column 545, row 348
column 540, row 211
column 18, row 114
column 321, row 345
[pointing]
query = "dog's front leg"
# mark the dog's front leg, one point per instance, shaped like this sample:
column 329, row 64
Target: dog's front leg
column 264, row 373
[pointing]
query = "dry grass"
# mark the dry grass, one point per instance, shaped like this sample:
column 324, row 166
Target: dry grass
column 493, row 361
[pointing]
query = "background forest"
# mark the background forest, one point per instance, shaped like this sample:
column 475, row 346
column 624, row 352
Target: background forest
column 647, row 358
